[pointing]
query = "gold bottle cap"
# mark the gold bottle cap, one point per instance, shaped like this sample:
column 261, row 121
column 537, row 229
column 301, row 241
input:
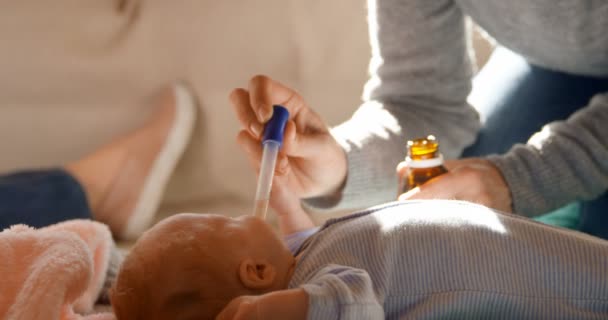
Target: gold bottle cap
column 422, row 146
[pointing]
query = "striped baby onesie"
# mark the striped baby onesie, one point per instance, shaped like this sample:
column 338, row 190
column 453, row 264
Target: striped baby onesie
column 445, row 259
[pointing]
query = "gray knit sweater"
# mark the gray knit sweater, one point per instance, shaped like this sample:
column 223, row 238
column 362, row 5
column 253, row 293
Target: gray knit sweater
column 420, row 79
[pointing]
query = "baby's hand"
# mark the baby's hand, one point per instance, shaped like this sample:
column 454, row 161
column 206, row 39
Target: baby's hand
column 240, row 308
column 284, row 304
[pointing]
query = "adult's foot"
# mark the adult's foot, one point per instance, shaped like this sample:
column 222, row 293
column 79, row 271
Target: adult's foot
column 125, row 179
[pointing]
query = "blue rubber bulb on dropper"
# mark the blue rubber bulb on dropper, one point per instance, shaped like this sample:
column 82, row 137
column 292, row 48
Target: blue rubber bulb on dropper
column 275, row 127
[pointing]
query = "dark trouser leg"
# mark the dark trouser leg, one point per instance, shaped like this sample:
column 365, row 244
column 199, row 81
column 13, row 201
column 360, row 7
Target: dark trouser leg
column 515, row 99
column 41, row 198
column 594, row 217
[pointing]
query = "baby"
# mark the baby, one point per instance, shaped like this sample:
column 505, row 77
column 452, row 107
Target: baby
column 402, row 260
column 190, row 266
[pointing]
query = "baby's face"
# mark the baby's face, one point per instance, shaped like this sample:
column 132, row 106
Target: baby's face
column 191, row 260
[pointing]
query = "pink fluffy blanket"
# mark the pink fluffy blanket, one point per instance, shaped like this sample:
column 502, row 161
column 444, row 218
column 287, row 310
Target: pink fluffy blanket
column 55, row 272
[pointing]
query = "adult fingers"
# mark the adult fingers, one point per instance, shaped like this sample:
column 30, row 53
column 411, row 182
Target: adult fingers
column 402, row 168
column 242, row 107
column 441, row 187
column 472, row 183
column 298, row 144
column 265, row 92
column 254, row 152
column 458, row 163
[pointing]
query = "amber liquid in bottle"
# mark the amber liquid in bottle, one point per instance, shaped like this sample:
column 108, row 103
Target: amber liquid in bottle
column 424, row 163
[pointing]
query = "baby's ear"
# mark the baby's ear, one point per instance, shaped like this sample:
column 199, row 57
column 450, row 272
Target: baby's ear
column 257, row 274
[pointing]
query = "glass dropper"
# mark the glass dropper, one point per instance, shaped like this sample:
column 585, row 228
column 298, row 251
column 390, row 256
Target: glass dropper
column 271, row 142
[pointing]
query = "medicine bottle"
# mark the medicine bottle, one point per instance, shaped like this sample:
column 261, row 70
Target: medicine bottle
column 424, row 162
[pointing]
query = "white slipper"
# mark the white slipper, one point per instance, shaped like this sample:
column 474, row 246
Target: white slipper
column 160, row 172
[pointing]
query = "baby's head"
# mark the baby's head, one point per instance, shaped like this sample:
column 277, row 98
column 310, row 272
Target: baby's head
column 190, row 266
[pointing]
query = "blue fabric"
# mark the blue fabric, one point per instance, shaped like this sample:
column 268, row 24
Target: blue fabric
column 41, row 198
column 515, row 99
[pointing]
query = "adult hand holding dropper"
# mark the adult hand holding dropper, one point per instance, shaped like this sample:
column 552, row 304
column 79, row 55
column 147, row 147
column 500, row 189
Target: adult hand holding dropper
column 310, row 162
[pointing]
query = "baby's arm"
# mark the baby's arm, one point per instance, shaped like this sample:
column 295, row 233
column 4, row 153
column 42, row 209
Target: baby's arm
column 294, row 222
column 291, row 217
column 335, row 292
column 289, row 304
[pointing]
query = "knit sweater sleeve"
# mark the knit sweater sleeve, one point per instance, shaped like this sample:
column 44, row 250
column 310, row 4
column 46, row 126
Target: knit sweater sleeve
column 420, row 78
column 566, row 161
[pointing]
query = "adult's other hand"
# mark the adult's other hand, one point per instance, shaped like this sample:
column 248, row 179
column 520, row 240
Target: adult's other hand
column 473, row 179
